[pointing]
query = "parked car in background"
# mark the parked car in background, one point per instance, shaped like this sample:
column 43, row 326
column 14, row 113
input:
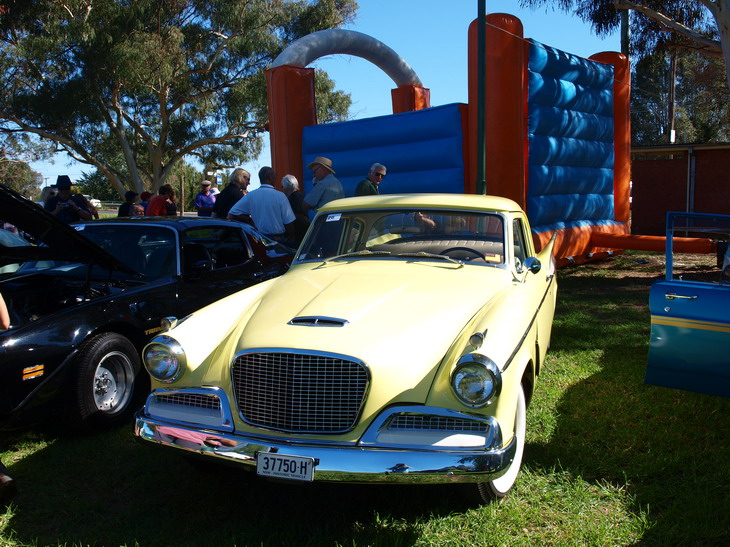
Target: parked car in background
column 94, row 202
column 83, row 304
column 403, row 346
column 690, row 318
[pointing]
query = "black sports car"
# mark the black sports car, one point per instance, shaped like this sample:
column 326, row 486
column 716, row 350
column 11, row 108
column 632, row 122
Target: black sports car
column 85, row 301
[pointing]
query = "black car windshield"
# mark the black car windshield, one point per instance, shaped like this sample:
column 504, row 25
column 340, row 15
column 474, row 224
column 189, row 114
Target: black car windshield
column 147, row 249
column 406, row 234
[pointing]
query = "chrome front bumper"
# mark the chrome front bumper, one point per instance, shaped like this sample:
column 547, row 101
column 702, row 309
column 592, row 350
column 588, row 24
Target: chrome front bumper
column 336, row 462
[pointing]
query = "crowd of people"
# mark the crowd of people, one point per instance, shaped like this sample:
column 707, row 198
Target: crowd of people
column 283, row 216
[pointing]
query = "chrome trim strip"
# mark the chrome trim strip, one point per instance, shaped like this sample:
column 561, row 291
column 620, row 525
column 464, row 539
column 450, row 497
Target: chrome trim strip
column 508, row 362
column 357, row 464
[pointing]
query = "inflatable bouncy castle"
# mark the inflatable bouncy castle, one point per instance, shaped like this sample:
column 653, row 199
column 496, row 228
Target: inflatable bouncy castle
column 557, row 137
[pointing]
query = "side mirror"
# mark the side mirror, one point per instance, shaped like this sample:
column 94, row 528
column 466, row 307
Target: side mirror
column 533, row 264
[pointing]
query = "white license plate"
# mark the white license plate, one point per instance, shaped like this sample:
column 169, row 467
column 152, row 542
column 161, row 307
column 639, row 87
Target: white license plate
column 281, row 466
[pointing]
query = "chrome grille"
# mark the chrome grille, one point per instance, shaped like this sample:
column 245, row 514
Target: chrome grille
column 190, row 399
column 299, row 393
column 421, row 422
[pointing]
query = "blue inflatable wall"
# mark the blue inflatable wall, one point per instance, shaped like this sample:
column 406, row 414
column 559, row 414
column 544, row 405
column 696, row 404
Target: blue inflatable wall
column 570, row 140
column 422, row 150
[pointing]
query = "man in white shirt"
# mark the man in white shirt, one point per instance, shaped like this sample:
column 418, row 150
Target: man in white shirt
column 267, row 207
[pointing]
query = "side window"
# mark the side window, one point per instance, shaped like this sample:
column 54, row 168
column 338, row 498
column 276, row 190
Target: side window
column 230, row 248
column 518, row 239
column 222, row 247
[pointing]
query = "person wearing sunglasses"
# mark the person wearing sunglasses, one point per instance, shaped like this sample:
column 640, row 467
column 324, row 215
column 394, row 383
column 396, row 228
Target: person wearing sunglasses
column 370, row 185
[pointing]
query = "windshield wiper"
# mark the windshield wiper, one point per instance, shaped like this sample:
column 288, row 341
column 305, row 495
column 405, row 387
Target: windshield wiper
column 422, row 254
column 364, row 252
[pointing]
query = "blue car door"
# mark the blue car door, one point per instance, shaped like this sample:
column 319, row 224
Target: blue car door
column 689, row 346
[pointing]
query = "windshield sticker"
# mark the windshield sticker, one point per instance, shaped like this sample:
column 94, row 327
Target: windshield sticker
column 333, row 217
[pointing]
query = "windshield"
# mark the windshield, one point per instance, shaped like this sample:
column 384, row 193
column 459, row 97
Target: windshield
column 407, row 234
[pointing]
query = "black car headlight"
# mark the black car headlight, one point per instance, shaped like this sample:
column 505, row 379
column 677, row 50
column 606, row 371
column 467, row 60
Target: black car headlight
column 476, row 380
column 164, row 358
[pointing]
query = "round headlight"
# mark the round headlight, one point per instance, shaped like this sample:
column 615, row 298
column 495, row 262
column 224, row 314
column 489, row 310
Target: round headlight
column 476, row 379
column 164, row 359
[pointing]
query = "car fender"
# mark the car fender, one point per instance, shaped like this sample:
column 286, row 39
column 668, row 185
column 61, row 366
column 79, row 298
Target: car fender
column 231, row 314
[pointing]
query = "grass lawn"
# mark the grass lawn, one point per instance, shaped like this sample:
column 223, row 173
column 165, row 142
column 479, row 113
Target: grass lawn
column 609, row 461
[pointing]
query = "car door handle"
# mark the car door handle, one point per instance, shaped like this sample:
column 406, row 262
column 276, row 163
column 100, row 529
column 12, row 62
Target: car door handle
column 674, row 296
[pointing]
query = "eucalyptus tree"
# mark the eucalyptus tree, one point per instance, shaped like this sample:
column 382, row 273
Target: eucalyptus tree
column 702, row 112
column 131, row 87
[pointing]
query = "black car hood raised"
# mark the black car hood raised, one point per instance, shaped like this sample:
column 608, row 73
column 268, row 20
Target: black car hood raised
column 62, row 241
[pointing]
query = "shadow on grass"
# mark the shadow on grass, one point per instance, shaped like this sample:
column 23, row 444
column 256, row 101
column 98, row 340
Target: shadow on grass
column 668, row 447
column 108, row 489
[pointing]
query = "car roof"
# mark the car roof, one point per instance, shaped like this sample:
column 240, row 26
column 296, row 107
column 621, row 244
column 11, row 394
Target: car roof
column 176, row 223
column 424, row 201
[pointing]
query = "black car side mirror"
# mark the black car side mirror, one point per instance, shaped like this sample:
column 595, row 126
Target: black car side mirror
column 532, row 264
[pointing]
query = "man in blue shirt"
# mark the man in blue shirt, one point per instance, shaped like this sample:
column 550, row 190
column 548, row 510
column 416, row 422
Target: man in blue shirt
column 327, row 187
column 204, row 200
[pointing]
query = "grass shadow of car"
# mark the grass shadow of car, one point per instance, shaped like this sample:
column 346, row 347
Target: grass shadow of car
column 107, row 489
column 667, row 447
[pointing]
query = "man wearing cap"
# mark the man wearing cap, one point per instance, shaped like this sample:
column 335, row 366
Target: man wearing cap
column 326, row 188
column 204, row 200
column 125, row 209
column 65, row 206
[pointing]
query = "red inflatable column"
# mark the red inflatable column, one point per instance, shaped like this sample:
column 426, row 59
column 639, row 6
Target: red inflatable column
column 290, row 93
column 505, row 108
column 622, row 132
column 408, row 98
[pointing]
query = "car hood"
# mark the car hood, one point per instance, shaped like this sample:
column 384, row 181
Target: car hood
column 61, row 241
column 399, row 318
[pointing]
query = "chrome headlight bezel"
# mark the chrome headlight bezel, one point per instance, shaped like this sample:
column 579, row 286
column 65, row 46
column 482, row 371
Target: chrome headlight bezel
column 155, row 350
column 483, row 372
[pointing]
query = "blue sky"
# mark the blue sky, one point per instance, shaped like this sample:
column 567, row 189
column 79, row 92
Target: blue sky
column 431, row 35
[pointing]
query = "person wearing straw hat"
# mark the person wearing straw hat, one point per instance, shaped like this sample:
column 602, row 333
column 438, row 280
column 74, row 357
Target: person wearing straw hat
column 326, row 186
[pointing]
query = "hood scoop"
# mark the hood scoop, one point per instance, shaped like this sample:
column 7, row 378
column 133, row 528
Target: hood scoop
column 316, row 321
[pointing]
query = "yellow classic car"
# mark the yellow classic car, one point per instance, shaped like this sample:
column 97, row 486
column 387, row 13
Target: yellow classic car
column 402, row 346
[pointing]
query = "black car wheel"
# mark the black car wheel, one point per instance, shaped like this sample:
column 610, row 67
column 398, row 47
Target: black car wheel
column 104, row 379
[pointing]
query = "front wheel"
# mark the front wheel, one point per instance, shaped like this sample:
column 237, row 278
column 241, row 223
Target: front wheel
column 104, row 377
column 498, row 488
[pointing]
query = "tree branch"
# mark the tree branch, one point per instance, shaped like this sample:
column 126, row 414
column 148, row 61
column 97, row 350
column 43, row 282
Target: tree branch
column 669, row 24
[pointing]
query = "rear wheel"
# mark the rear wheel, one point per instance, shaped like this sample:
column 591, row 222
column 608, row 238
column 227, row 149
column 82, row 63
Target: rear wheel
column 104, row 378
column 498, row 488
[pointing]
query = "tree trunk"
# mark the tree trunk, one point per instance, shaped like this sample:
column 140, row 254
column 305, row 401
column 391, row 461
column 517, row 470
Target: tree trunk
column 721, row 12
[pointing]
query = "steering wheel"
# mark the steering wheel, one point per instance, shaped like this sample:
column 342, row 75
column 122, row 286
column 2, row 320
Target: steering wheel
column 464, row 249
